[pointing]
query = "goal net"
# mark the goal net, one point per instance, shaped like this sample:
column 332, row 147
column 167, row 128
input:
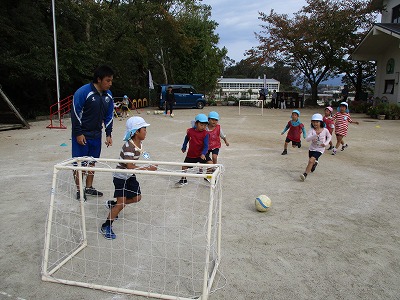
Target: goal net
column 168, row 245
column 251, row 107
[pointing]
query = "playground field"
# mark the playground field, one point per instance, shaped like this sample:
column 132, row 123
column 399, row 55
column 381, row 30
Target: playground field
column 334, row 236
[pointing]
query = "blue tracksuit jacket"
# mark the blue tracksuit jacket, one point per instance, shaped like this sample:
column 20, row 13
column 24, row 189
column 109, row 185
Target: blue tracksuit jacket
column 90, row 110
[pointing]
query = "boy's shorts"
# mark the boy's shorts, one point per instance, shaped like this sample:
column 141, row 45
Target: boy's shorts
column 197, row 160
column 315, row 154
column 287, row 140
column 212, row 152
column 128, row 188
column 92, row 148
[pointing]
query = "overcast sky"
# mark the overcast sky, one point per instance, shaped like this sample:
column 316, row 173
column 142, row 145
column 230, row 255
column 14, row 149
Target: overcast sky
column 238, row 20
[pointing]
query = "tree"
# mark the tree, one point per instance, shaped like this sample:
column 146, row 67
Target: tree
column 314, row 42
column 175, row 39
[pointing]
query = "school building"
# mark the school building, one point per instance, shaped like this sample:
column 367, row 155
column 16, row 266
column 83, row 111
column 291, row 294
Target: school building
column 381, row 44
column 245, row 87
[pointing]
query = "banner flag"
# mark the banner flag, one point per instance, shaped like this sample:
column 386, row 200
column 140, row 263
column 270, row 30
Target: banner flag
column 151, row 84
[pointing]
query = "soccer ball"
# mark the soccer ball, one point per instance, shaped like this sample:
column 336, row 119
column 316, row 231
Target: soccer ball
column 148, row 112
column 263, row 203
column 172, row 115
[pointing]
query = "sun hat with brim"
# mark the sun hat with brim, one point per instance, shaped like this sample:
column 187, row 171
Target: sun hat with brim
column 213, row 115
column 316, row 117
column 344, row 103
column 329, row 108
column 296, row 112
column 132, row 125
column 202, row 118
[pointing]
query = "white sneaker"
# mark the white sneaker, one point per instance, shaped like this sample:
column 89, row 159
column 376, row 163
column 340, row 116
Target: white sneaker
column 334, row 151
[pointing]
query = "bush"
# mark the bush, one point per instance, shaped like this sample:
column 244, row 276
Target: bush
column 211, row 102
column 359, row 107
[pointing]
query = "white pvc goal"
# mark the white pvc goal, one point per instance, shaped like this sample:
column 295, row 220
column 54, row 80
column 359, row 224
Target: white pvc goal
column 168, row 245
column 251, row 107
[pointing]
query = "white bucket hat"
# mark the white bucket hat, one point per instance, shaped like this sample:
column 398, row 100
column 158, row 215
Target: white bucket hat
column 132, row 125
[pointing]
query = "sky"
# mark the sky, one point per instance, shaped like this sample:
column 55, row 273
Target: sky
column 238, row 21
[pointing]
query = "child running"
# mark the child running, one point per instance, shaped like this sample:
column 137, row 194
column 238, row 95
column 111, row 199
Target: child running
column 319, row 137
column 295, row 128
column 127, row 188
column 342, row 119
column 197, row 137
column 215, row 135
column 329, row 123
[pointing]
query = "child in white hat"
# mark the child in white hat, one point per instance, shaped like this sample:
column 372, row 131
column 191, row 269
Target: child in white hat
column 342, row 119
column 127, row 188
column 319, row 137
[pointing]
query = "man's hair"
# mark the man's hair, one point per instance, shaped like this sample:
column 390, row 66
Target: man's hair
column 101, row 72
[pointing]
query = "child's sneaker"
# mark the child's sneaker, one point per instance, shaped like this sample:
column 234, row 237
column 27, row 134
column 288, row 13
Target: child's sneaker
column 92, row 191
column 107, row 232
column 284, row 152
column 330, row 147
column 299, row 144
column 314, row 166
column 334, row 151
column 181, row 183
column 344, row 147
column 303, row 176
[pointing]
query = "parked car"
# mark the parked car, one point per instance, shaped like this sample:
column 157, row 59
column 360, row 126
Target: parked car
column 185, row 96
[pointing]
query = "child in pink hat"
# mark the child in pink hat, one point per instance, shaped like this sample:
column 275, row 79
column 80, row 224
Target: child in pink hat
column 329, row 122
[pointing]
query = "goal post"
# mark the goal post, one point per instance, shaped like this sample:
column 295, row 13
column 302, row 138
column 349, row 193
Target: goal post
column 168, row 245
column 258, row 104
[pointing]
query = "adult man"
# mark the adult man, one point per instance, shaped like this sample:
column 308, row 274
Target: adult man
column 169, row 101
column 274, row 99
column 93, row 105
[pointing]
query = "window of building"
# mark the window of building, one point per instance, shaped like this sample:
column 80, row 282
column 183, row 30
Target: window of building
column 396, row 14
column 389, row 87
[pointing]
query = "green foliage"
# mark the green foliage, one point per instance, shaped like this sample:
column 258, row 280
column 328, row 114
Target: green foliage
column 317, row 40
column 359, row 107
column 390, row 110
column 175, row 40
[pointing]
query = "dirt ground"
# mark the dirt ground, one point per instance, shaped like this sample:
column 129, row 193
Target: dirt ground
column 334, row 236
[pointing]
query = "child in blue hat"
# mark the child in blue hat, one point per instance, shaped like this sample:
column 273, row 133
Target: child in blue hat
column 197, row 138
column 295, row 128
column 216, row 134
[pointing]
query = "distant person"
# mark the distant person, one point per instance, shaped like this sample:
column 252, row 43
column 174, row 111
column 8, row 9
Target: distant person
column 274, row 99
column 127, row 188
column 124, row 107
column 197, row 138
column 261, row 95
column 282, row 102
column 319, row 137
column 169, row 101
column 345, row 93
column 342, row 119
column 295, row 128
column 92, row 107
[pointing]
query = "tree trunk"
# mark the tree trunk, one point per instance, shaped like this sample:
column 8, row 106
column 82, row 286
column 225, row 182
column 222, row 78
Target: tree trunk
column 314, row 94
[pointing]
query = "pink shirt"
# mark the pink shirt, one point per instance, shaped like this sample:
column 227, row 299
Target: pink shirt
column 318, row 141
